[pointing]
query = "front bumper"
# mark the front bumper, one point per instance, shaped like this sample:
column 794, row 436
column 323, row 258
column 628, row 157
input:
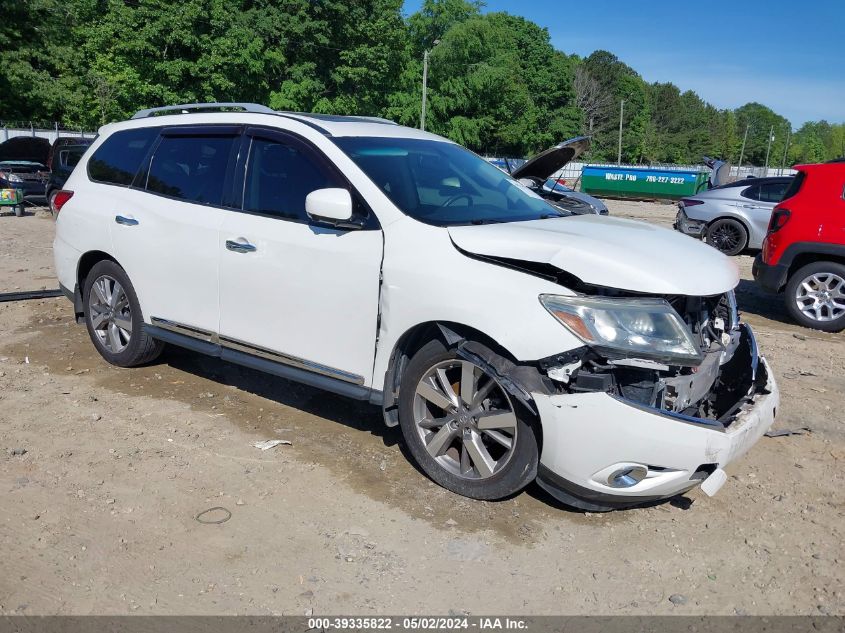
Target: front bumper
column 589, row 436
column 770, row 277
column 695, row 228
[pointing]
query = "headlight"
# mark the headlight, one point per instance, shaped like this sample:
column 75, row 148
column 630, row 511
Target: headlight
column 627, row 328
column 14, row 178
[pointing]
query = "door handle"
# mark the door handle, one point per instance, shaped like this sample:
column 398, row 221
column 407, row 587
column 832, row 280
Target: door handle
column 122, row 219
column 240, row 247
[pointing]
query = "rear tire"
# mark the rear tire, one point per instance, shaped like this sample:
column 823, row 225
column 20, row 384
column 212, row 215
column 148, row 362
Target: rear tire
column 815, row 296
column 114, row 319
column 479, row 442
column 728, row 236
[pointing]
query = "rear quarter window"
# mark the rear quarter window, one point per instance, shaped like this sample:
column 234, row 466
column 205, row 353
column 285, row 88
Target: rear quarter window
column 752, row 193
column 118, row 159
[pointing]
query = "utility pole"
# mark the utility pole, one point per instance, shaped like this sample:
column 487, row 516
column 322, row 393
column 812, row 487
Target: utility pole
column 621, row 114
column 425, row 84
column 425, row 88
column 785, row 148
column 769, row 149
column 742, row 151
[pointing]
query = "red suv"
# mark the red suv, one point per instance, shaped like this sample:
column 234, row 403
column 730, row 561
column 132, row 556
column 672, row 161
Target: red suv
column 804, row 250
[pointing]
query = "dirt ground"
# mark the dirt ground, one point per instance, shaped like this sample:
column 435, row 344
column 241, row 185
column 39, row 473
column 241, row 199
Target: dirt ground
column 99, row 514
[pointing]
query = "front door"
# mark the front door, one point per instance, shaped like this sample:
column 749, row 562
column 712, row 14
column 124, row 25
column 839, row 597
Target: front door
column 293, row 290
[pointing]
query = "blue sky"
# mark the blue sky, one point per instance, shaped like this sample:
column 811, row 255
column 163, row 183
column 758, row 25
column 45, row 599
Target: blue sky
column 787, row 55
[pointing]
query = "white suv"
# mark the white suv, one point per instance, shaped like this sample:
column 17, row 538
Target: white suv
column 603, row 357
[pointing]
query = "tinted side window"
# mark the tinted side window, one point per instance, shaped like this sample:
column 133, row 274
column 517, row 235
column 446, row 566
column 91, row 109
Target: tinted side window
column 773, row 192
column 752, row 192
column 192, row 168
column 70, row 157
column 117, row 160
column 279, row 177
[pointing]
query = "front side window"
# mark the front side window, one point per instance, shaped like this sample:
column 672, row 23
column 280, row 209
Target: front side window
column 279, row 176
column 191, row 168
column 442, row 183
column 117, row 160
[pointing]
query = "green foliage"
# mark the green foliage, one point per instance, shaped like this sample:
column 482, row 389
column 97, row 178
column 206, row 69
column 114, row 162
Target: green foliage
column 496, row 84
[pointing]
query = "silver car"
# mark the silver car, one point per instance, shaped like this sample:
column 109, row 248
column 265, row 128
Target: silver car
column 732, row 217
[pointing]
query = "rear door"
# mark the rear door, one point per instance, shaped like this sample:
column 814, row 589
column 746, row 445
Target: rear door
column 165, row 226
column 292, row 290
column 758, row 203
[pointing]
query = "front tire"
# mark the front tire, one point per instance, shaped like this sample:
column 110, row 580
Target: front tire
column 114, row 319
column 463, row 429
column 815, row 296
column 727, row 236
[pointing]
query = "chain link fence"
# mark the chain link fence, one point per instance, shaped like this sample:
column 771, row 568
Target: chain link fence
column 12, row 129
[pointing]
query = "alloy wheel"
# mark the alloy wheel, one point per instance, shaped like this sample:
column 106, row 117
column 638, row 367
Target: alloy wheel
column 821, row 296
column 110, row 314
column 465, row 419
column 726, row 237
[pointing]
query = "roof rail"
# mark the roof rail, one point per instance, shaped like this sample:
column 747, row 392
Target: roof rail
column 180, row 109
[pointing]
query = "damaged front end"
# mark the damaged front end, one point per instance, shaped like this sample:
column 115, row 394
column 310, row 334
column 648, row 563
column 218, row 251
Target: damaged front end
column 710, row 385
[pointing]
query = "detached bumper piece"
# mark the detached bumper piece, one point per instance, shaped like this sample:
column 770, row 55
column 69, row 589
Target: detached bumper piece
column 602, row 451
column 683, row 224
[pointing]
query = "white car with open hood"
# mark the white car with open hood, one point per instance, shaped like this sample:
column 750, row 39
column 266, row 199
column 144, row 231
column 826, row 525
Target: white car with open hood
column 509, row 340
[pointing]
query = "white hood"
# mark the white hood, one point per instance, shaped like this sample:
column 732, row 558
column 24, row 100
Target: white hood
column 610, row 252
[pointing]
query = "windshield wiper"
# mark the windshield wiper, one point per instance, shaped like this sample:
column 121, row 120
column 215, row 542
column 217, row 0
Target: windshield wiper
column 486, row 221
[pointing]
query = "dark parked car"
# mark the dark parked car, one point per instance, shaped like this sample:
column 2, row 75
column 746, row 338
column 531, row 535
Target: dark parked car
column 63, row 162
column 63, row 143
column 28, row 176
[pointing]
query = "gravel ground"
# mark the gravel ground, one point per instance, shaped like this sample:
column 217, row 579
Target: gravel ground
column 104, row 471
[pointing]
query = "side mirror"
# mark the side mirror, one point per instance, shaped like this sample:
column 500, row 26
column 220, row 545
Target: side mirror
column 333, row 206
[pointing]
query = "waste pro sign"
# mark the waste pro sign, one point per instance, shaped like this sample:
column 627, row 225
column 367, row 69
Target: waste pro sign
column 642, row 182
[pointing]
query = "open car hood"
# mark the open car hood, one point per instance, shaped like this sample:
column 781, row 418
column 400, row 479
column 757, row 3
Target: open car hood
column 29, row 148
column 546, row 163
column 609, row 252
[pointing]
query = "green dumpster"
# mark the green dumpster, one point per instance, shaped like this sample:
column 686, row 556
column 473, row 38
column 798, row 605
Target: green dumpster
column 642, row 182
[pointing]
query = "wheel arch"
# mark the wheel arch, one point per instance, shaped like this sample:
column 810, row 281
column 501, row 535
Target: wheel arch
column 450, row 333
column 83, row 267
column 811, row 257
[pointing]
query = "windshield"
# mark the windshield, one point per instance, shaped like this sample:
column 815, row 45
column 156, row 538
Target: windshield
column 442, row 183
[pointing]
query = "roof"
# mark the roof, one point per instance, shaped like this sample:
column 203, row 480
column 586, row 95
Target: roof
column 748, row 182
column 256, row 114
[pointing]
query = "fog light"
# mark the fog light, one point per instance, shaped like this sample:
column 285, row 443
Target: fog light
column 627, row 477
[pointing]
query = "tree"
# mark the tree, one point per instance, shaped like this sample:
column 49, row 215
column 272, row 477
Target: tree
column 591, row 98
column 497, row 85
column 760, row 121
